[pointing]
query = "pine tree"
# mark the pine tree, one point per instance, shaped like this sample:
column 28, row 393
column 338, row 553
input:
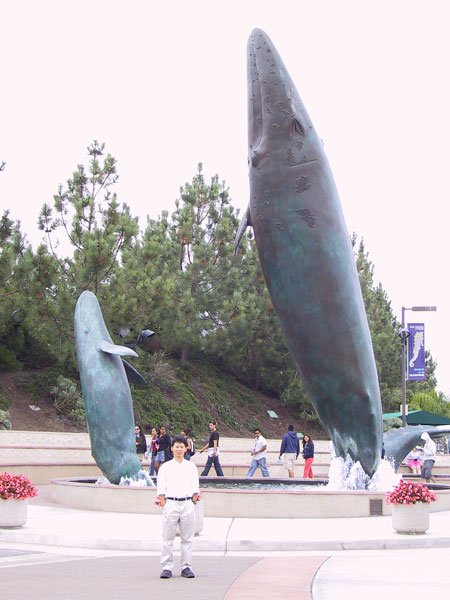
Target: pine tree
column 191, row 254
column 384, row 329
column 25, row 279
column 95, row 225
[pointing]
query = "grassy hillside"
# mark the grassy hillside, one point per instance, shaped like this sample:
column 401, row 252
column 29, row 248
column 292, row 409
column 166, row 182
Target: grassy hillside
column 177, row 396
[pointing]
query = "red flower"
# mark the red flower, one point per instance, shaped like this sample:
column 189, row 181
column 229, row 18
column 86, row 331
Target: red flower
column 410, row 493
column 17, row 487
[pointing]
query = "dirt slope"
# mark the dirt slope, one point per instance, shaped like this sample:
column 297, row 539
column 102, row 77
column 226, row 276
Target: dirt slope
column 23, row 418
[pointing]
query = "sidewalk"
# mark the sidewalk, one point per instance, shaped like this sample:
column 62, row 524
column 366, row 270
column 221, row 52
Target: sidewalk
column 243, row 559
column 53, row 525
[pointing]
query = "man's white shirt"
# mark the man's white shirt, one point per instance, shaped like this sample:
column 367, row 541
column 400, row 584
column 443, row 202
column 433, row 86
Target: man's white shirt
column 177, row 480
column 260, row 443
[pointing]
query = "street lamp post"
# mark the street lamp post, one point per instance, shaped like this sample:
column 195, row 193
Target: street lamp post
column 404, row 335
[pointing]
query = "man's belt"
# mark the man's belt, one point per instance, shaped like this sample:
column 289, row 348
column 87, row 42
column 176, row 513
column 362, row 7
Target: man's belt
column 178, row 499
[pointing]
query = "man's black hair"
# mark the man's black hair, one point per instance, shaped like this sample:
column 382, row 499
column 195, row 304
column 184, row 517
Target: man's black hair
column 180, row 439
column 213, row 422
column 291, row 428
column 256, row 429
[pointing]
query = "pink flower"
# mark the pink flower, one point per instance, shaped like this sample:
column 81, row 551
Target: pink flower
column 18, row 487
column 410, row 493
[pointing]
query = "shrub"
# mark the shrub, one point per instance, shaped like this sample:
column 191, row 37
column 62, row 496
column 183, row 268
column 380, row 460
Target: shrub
column 68, row 400
column 395, row 422
column 5, row 422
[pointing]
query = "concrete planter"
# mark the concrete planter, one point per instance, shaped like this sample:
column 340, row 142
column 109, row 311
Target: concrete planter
column 411, row 518
column 13, row 513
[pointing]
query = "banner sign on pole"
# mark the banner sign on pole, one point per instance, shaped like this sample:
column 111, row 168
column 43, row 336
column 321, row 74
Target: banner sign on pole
column 416, row 351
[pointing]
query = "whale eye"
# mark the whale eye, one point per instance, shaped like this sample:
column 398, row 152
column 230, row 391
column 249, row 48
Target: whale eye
column 297, row 128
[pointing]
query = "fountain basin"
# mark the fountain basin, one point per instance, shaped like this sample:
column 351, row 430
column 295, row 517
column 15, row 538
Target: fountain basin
column 315, row 502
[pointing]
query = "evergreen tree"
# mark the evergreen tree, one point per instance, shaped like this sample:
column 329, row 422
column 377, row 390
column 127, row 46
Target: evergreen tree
column 250, row 343
column 25, row 279
column 98, row 230
column 96, row 226
column 384, row 329
column 190, row 254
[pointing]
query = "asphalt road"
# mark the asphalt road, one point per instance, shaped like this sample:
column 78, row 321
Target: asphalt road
column 45, row 576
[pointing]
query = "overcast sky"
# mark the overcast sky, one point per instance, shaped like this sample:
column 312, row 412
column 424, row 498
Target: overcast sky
column 164, row 86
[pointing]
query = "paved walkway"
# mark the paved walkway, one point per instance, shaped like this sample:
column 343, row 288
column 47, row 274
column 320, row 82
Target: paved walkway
column 76, row 555
column 115, row 555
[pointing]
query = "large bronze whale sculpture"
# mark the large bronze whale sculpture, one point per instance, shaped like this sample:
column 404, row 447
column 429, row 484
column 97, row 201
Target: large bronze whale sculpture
column 307, row 259
column 106, row 393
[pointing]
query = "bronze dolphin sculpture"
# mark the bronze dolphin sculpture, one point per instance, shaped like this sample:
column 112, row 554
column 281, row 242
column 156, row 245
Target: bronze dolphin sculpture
column 106, row 393
column 307, row 259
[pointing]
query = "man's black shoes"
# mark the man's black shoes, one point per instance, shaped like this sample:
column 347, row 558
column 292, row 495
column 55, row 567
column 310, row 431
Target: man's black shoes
column 187, row 573
column 166, row 574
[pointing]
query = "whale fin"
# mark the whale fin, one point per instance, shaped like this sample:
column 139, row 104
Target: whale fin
column 133, row 375
column 109, row 348
column 246, row 221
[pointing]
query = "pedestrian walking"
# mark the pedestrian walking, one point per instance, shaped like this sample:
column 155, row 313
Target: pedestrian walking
column 213, row 451
column 308, row 455
column 152, row 450
column 259, row 455
column 429, row 457
column 290, row 449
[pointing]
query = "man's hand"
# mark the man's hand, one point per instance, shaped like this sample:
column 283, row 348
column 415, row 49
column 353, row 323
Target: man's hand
column 162, row 500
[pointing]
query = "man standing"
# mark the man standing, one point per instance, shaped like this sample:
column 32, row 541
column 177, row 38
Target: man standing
column 290, row 449
column 213, row 451
column 259, row 455
column 178, row 490
column 429, row 457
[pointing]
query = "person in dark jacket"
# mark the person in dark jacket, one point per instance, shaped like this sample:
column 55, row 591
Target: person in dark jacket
column 290, row 449
column 141, row 443
column 308, row 455
column 164, row 451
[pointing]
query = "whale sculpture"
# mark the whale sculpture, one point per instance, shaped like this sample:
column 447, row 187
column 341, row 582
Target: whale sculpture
column 399, row 442
column 106, row 393
column 307, row 259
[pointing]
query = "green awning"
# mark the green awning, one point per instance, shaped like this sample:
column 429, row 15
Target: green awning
column 419, row 417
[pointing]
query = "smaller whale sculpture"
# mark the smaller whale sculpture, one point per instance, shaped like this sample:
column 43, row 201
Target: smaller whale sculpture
column 106, row 393
column 399, row 442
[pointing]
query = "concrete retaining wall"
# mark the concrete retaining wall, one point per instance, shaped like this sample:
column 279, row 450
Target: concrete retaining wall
column 233, row 503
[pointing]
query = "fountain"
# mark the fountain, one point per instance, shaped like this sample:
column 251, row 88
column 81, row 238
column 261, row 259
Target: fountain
column 317, row 500
column 309, row 268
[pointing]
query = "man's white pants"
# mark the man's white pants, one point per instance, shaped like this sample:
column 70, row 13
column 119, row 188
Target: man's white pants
column 184, row 513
